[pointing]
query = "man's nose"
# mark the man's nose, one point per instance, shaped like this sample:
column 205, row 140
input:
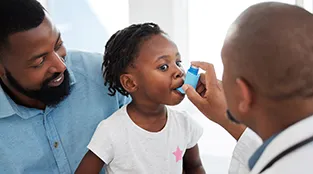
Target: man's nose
column 58, row 65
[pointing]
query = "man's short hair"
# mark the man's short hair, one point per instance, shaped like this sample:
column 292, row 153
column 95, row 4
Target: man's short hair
column 17, row 16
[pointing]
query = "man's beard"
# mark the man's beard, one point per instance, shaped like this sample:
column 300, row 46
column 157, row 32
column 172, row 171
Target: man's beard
column 232, row 118
column 50, row 96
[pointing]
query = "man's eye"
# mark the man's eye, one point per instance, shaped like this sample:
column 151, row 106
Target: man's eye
column 58, row 46
column 40, row 64
column 163, row 67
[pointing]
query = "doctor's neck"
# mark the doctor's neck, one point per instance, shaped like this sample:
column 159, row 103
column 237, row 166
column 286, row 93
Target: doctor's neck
column 278, row 116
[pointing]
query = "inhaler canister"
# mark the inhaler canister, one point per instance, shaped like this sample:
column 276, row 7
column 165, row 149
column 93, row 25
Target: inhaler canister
column 192, row 78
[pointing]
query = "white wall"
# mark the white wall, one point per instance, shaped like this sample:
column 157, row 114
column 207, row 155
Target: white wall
column 170, row 15
column 44, row 3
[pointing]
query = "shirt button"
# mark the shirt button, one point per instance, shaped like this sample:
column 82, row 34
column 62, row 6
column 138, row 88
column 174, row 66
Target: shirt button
column 56, row 144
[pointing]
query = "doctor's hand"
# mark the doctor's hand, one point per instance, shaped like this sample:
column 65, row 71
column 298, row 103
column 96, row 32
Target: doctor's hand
column 210, row 100
column 209, row 95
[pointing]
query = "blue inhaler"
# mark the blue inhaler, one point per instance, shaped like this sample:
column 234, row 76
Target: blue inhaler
column 192, row 78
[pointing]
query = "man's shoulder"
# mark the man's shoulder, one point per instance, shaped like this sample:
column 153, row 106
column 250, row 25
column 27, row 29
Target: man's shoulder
column 85, row 64
column 81, row 59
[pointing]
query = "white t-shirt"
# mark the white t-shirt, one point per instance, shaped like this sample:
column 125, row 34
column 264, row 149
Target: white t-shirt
column 128, row 149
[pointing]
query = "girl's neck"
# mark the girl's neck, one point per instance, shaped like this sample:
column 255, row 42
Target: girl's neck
column 150, row 117
column 148, row 110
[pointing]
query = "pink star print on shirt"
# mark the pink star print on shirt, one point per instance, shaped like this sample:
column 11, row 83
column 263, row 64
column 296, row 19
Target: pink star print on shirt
column 178, row 154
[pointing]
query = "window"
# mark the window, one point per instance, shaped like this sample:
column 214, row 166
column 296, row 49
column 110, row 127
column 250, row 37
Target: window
column 88, row 24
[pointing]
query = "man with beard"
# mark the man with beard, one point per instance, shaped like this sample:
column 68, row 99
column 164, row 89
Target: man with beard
column 50, row 100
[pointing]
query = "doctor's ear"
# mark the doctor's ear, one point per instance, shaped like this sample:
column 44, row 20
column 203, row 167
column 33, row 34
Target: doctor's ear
column 245, row 95
column 128, row 82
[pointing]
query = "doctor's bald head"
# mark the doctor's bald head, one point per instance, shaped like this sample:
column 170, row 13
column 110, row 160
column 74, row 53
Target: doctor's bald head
column 268, row 67
column 270, row 47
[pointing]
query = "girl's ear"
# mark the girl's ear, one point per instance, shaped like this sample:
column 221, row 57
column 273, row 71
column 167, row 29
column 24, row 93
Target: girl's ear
column 128, row 82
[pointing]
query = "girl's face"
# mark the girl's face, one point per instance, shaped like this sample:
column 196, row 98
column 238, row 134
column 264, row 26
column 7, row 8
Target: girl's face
column 159, row 71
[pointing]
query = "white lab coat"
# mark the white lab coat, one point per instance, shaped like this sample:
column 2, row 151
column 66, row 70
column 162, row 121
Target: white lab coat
column 245, row 147
column 298, row 161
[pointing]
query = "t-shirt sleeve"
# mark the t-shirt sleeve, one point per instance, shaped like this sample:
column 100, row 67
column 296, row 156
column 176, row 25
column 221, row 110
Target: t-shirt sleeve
column 195, row 131
column 101, row 143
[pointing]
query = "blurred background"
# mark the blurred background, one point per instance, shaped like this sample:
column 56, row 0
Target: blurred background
column 198, row 27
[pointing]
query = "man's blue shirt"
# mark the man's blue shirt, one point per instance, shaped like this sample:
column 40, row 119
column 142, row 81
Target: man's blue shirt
column 55, row 140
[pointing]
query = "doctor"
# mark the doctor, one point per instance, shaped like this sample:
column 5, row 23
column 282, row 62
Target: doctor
column 268, row 86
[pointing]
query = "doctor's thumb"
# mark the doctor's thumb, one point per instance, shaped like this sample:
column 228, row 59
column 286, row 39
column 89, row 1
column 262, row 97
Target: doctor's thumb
column 192, row 94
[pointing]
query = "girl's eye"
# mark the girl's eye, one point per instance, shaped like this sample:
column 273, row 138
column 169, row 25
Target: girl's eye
column 163, row 67
column 178, row 63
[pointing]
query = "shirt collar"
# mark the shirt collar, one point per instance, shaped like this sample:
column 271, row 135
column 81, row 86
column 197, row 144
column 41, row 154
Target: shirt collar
column 257, row 154
column 8, row 107
column 72, row 77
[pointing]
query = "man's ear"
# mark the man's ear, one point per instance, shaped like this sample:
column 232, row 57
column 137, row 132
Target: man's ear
column 245, row 95
column 128, row 82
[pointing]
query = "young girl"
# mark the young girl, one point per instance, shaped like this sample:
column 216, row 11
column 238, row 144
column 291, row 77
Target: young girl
column 145, row 136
